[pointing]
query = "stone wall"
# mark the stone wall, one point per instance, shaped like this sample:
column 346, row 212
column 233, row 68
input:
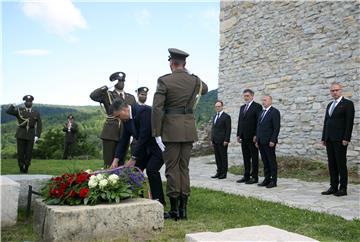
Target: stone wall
column 292, row 51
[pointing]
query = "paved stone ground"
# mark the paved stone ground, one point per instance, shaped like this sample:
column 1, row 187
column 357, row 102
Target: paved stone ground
column 291, row 192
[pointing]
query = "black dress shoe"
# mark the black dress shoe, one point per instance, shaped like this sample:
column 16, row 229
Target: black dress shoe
column 340, row 193
column 223, row 176
column 242, row 180
column 330, row 191
column 252, row 181
column 215, row 176
column 264, row 183
column 271, row 184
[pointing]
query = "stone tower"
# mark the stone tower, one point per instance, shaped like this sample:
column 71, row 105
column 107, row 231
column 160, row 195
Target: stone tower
column 292, row 51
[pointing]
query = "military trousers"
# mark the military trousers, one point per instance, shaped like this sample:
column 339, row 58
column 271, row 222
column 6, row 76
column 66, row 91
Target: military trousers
column 24, row 152
column 176, row 157
column 109, row 148
column 68, row 148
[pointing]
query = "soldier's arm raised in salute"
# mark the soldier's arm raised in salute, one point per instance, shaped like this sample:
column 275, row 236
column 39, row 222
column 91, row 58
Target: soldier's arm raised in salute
column 12, row 110
column 98, row 94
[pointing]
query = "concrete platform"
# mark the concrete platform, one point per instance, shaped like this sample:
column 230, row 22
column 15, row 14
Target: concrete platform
column 254, row 233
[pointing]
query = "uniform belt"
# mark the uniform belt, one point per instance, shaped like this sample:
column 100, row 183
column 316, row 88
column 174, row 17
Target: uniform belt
column 26, row 127
column 179, row 111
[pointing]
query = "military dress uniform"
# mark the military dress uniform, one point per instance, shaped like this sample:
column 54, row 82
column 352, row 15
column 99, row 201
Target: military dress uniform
column 29, row 127
column 112, row 127
column 71, row 131
column 173, row 119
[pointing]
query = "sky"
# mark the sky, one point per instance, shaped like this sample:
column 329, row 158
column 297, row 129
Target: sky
column 59, row 51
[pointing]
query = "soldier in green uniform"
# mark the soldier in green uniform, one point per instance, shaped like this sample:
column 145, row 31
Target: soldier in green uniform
column 112, row 127
column 70, row 128
column 28, row 131
column 173, row 126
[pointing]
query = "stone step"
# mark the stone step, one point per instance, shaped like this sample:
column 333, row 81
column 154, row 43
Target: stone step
column 254, row 233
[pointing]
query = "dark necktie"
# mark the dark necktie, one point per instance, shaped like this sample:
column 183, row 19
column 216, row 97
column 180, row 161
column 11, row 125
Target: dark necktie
column 333, row 105
column 217, row 117
column 246, row 108
column 262, row 115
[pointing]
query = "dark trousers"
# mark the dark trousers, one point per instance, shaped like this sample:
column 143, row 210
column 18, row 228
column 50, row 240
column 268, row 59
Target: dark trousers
column 221, row 158
column 177, row 157
column 154, row 163
column 251, row 159
column 336, row 153
column 67, row 150
column 24, row 152
column 109, row 148
column 269, row 159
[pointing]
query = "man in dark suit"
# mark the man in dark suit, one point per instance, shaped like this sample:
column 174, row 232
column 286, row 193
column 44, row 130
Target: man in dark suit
column 268, row 128
column 220, row 137
column 338, row 125
column 246, row 135
column 145, row 153
column 28, row 131
column 70, row 128
column 112, row 127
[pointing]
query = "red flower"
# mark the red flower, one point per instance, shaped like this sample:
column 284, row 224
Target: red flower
column 70, row 180
column 55, row 192
column 72, row 193
column 83, row 192
column 81, row 178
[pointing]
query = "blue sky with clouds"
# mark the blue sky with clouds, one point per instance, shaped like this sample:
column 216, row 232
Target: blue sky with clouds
column 59, row 51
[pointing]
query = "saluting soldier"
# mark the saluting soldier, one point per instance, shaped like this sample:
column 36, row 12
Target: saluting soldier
column 28, row 131
column 70, row 128
column 112, row 127
column 173, row 126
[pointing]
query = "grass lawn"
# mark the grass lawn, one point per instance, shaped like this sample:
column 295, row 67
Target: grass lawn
column 300, row 168
column 208, row 211
column 51, row 167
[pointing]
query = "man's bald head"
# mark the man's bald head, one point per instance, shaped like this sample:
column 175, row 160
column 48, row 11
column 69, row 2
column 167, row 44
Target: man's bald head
column 266, row 101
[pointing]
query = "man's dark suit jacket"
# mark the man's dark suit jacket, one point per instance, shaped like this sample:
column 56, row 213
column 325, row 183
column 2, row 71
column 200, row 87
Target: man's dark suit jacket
column 247, row 123
column 268, row 129
column 140, row 129
column 221, row 130
column 339, row 125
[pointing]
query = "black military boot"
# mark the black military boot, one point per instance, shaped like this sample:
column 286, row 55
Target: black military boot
column 173, row 213
column 183, row 207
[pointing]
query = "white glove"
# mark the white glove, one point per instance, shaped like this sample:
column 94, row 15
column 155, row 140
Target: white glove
column 160, row 143
column 36, row 139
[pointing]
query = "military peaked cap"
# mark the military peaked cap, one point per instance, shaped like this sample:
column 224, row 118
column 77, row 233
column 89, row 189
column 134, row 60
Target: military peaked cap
column 177, row 54
column 142, row 89
column 118, row 76
column 28, row 98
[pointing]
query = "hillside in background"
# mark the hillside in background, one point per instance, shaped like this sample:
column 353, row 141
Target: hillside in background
column 90, row 120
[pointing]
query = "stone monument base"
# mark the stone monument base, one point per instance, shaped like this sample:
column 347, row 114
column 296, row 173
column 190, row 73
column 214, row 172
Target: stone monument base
column 105, row 222
column 9, row 201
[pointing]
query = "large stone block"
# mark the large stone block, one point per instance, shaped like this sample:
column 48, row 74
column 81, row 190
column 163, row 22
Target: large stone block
column 9, row 201
column 133, row 217
column 36, row 181
column 254, row 233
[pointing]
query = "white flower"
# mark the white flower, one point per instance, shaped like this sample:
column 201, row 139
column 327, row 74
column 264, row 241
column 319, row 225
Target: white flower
column 113, row 178
column 103, row 183
column 100, row 177
column 92, row 183
column 89, row 171
column 93, row 178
